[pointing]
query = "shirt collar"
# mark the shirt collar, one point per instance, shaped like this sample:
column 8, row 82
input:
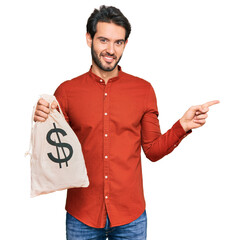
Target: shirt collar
column 98, row 79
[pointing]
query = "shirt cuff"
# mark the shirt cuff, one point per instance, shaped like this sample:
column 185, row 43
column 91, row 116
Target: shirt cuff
column 179, row 130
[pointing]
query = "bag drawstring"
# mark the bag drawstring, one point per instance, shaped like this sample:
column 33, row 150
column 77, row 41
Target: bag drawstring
column 58, row 107
column 31, row 137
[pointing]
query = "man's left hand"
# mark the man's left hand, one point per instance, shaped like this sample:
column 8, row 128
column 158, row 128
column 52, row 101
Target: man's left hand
column 196, row 116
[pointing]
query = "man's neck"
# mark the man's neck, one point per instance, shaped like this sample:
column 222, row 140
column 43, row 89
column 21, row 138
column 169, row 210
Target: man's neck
column 104, row 74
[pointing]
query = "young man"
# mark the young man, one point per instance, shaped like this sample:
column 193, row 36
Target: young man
column 113, row 114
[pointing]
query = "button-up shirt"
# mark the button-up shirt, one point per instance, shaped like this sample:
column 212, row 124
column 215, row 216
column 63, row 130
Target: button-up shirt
column 112, row 122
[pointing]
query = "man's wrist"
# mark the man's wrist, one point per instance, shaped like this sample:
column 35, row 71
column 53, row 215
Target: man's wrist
column 184, row 125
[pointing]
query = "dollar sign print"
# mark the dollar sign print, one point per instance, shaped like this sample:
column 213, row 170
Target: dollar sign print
column 59, row 144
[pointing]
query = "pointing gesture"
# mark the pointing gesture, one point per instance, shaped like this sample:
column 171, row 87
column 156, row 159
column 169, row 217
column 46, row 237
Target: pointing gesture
column 195, row 116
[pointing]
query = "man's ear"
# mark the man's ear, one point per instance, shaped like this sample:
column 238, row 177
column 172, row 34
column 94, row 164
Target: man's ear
column 88, row 39
column 126, row 42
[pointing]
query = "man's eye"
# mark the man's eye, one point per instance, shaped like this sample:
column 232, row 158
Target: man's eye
column 103, row 40
column 119, row 42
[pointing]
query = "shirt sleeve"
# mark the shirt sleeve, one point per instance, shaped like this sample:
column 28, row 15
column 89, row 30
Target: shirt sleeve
column 61, row 97
column 156, row 145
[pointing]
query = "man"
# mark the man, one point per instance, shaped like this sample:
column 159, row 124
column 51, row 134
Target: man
column 113, row 114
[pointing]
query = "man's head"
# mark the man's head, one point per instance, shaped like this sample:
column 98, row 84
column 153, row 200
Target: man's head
column 107, row 34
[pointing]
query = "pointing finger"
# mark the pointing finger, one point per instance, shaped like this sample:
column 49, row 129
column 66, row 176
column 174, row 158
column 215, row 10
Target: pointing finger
column 211, row 103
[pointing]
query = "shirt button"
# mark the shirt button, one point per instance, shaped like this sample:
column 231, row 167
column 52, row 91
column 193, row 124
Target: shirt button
column 105, row 94
column 101, row 80
column 106, row 177
column 106, row 197
column 106, row 156
column 105, row 113
column 106, row 135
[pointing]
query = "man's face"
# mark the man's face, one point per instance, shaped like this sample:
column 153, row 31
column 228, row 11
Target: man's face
column 107, row 45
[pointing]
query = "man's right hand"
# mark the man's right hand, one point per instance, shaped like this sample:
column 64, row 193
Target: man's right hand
column 42, row 110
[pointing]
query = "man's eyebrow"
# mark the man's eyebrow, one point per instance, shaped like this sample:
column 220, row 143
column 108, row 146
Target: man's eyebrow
column 102, row 38
column 118, row 40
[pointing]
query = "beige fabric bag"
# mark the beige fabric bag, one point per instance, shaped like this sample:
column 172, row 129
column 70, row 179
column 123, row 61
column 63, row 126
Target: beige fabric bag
column 57, row 161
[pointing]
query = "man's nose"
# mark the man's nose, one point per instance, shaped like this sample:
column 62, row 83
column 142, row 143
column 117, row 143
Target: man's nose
column 110, row 48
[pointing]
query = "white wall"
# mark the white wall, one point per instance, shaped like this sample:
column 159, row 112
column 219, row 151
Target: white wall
column 191, row 52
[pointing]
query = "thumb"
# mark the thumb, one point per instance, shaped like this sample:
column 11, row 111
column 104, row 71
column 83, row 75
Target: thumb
column 199, row 109
column 54, row 105
column 195, row 108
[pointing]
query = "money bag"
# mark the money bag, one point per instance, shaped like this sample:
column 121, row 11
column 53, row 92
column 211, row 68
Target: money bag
column 57, row 161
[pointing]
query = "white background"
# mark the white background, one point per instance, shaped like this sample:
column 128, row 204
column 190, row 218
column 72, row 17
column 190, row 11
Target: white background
column 191, row 52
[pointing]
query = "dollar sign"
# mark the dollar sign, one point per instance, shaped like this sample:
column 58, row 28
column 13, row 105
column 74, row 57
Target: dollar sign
column 59, row 144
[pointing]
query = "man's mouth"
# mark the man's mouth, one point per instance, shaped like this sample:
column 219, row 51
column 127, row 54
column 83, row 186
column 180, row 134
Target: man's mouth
column 108, row 59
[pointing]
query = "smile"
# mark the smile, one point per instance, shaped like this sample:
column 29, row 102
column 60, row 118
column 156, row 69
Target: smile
column 108, row 59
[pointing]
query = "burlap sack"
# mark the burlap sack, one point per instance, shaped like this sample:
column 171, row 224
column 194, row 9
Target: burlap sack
column 57, row 160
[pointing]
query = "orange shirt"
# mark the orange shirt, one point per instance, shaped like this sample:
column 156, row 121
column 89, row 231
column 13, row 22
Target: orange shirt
column 112, row 121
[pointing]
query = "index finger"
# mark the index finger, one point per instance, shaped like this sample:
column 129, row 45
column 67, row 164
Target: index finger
column 43, row 102
column 208, row 104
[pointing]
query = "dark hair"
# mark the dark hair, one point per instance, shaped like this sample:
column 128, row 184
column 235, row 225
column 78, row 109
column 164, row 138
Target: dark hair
column 109, row 15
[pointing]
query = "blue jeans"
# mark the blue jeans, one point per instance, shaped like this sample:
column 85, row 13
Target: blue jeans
column 136, row 230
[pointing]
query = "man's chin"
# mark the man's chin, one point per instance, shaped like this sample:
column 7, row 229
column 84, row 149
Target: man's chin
column 108, row 68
